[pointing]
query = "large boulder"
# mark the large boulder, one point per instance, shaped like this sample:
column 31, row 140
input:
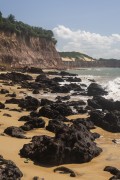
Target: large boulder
column 74, row 144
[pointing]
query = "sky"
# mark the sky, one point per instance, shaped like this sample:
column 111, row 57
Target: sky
column 87, row 26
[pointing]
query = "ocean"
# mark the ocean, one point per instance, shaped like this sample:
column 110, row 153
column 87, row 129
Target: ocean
column 108, row 78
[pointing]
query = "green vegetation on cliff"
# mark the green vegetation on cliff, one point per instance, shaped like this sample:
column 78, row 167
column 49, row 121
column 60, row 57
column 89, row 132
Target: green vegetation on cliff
column 10, row 25
column 73, row 54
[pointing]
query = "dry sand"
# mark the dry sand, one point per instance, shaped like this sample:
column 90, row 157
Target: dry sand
column 9, row 149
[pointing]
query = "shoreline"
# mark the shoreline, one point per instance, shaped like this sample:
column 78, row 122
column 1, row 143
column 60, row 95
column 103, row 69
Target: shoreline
column 10, row 146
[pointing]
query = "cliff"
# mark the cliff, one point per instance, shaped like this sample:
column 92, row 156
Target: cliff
column 19, row 51
column 78, row 60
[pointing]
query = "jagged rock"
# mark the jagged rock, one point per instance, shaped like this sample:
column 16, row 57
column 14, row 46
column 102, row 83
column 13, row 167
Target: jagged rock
column 29, row 103
column 62, row 108
column 33, row 123
column 8, row 170
column 95, row 89
column 55, row 126
column 46, row 111
column 15, row 132
column 65, row 170
column 87, row 123
column 70, row 145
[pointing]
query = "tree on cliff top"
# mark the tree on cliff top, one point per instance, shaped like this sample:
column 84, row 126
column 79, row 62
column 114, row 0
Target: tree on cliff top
column 10, row 25
column 11, row 18
column 0, row 16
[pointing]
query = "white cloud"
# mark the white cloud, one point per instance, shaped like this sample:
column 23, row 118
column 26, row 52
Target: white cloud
column 93, row 44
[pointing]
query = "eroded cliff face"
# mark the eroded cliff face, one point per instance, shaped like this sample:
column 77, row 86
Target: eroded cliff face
column 17, row 51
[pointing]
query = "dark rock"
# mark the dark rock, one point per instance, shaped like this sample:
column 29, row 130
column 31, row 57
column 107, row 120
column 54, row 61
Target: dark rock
column 4, row 91
column 105, row 104
column 64, row 73
column 62, row 108
column 63, row 98
column 2, row 106
column 8, row 170
column 33, row 70
column 58, row 79
column 15, row 77
column 95, row 89
column 15, row 132
column 25, row 118
column 35, row 91
column 60, row 89
column 12, row 101
column 113, row 171
column 8, row 115
column 11, row 95
column 55, row 126
column 33, row 123
column 71, row 79
column 46, row 102
column 70, row 145
column 81, row 110
column 109, row 121
column 46, row 111
column 76, row 103
column 65, row 170
column 87, row 123
column 29, row 103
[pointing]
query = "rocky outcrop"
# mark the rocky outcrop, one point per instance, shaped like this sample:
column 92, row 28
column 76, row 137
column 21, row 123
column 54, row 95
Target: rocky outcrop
column 17, row 51
column 74, row 144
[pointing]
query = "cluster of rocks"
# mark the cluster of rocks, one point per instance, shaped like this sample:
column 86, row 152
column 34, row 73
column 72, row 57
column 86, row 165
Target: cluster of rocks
column 73, row 141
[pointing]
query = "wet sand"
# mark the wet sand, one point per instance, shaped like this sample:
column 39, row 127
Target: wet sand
column 9, row 149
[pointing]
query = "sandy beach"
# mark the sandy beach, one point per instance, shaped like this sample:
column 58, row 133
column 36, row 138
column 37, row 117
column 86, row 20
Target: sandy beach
column 10, row 147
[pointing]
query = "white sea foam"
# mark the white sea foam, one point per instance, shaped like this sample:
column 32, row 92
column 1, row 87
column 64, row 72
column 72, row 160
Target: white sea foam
column 113, row 88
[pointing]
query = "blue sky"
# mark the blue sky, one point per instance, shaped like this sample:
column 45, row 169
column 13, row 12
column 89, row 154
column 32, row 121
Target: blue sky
column 95, row 22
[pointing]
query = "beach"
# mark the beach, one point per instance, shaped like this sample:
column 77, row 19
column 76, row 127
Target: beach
column 10, row 146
